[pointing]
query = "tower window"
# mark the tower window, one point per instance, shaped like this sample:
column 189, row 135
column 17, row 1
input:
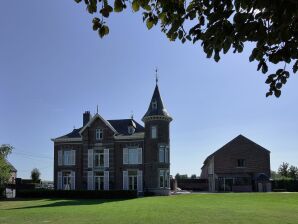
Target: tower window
column 153, row 132
column 154, row 104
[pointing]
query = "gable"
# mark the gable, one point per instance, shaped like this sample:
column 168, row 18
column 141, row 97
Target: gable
column 235, row 143
column 97, row 116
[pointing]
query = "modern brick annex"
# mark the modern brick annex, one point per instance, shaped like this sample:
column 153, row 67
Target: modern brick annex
column 116, row 154
column 240, row 165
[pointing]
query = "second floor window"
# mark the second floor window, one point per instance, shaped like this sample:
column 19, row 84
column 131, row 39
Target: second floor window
column 132, row 156
column 66, row 157
column 98, row 134
column 240, row 163
column 99, row 159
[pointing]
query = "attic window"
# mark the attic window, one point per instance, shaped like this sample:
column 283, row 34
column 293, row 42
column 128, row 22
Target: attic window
column 131, row 130
column 154, row 104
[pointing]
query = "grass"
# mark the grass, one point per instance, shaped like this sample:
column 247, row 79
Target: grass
column 227, row 208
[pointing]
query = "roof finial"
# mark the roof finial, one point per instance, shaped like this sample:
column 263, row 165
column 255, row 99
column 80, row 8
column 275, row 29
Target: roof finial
column 131, row 116
column 156, row 75
column 97, row 108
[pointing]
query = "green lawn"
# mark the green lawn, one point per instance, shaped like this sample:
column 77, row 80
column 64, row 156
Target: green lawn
column 271, row 208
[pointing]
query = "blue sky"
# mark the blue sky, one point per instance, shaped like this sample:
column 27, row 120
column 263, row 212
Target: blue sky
column 53, row 67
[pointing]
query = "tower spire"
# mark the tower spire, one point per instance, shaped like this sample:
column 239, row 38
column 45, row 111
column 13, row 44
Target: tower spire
column 156, row 75
column 97, row 108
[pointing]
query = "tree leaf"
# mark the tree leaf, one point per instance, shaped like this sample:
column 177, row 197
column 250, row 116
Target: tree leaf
column 135, row 6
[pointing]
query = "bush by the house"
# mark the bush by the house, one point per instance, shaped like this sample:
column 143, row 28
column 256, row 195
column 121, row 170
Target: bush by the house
column 285, row 185
column 44, row 193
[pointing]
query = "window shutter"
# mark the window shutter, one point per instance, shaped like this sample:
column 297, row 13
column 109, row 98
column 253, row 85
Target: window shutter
column 167, row 154
column 125, row 180
column 125, row 155
column 90, row 158
column 59, row 181
column 60, row 158
column 140, row 181
column 73, row 157
column 106, row 185
column 140, row 156
column 90, row 181
column 73, row 180
column 106, row 158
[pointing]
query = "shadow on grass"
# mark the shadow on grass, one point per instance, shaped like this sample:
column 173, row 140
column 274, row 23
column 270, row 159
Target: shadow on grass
column 67, row 202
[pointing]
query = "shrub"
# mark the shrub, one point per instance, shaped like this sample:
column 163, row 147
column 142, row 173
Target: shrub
column 285, row 184
column 76, row 194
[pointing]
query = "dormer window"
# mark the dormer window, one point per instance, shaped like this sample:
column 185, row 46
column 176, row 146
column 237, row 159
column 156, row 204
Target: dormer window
column 98, row 134
column 154, row 104
column 131, row 130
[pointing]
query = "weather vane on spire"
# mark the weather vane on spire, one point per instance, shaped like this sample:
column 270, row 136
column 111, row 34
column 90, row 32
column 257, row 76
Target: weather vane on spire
column 156, row 75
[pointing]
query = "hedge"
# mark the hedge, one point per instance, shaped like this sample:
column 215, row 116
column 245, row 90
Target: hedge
column 285, row 185
column 76, row 194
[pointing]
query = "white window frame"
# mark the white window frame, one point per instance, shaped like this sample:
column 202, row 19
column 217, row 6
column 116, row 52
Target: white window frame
column 99, row 134
column 165, row 174
column 132, row 156
column 98, row 153
column 68, row 157
column 153, row 132
column 99, row 177
column 163, row 154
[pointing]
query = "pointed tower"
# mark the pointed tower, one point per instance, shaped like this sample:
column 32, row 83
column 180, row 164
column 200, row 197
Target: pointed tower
column 157, row 146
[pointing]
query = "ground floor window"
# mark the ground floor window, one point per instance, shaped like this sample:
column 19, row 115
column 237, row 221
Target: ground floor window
column 98, row 180
column 66, row 180
column 227, row 183
column 132, row 180
column 164, row 178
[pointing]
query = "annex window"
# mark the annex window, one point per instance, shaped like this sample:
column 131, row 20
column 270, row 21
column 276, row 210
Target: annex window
column 154, row 104
column 240, row 163
column 153, row 132
column 163, row 154
column 132, row 156
column 98, row 134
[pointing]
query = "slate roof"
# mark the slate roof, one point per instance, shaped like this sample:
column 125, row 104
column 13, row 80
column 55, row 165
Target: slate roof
column 121, row 126
column 160, row 110
column 74, row 134
column 239, row 138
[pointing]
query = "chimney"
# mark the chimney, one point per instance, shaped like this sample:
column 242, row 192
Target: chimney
column 86, row 117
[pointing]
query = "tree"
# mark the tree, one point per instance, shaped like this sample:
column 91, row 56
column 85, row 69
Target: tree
column 221, row 26
column 177, row 176
column 5, row 150
column 293, row 172
column 35, row 175
column 283, row 169
column 193, row 176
